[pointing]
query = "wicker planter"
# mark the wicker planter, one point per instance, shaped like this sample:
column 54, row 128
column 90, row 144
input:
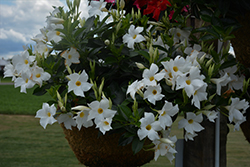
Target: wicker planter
column 103, row 151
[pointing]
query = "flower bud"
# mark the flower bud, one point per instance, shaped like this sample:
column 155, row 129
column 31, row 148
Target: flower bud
column 122, row 4
column 80, row 108
column 107, row 42
column 140, row 65
column 210, row 70
column 201, row 60
column 166, row 140
column 168, row 82
column 209, row 62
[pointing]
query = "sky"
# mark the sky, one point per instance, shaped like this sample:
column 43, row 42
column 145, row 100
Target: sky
column 21, row 20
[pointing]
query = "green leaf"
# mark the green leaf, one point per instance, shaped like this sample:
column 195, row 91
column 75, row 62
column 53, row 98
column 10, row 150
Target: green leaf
column 137, row 145
column 110, row 60
column 208, row 37
column 206, row 18
column 124, row 140
column 227, row 64
column 144, row 54
column 218, row 29
column 126, row 110
column 216, row 21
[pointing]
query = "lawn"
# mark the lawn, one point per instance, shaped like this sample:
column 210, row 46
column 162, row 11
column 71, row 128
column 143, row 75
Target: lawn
column 24, row 143
column 14, row 102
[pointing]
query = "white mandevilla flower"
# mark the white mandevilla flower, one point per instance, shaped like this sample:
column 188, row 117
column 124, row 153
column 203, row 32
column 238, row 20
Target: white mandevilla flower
column 149, row 127
column 190, row 81
column 24, row 81
column 133, row 36
column 165, row 149
column 82, row 116
column 67, row 120
column 235, row 114
column 236, row 82
column 188, row 50
column 211, row 115
column 153, row 93
column 100, row 110
column 39, row 75
column 46, row 115
column 192, row 123
column 53, row 34
column 167, row 111
column 150, row 76
column 160, row 42
column 96, row 7
column 9, row 71
column 104, row 125
column 179, row 34
column 175, row 68
column 199, row 95
column 223, row 81
column 134, row 87
column 78, row 83
column 190, row 136
column 71, row 56
column 42, row 49
column 22, row 62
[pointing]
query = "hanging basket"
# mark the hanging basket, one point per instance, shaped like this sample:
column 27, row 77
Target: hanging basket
column 103, row 151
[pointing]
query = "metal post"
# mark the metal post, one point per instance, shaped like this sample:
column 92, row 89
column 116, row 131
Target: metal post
column 217, row 141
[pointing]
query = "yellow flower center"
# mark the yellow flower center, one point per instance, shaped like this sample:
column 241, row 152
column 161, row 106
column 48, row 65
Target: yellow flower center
column 81, row 114
column 134, row 36
column 100, row 110
column 57, row 33
column 26, row 61
column 69, row 56
column 148, row 127
column 154, row 92
column 38, row 75
column 46, row 50
column 163, row 113
column 27, row 80
column 190, row 121
column 178, row 34
column 151, row 78
column 48, row 114
column 78, row 83
column 175, row 68
column 195, row 92
column 106, row 123
column 188, row 82
column 170, row 75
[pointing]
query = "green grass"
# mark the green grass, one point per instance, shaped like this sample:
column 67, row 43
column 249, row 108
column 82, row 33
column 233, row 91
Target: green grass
column 4, row 80
column 14, row 102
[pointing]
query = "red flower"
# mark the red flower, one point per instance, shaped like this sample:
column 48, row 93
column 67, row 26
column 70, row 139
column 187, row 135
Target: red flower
column 156, row 7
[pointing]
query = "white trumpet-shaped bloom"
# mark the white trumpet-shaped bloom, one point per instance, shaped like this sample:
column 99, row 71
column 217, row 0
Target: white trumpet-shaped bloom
column 153, row 94
column 67, row 120
column 191, row 123
column 71, row 56
column 150, row 76
column 78, row 83
column 149, row 127
column 46, row 115
column 167, row 111
column 100, row 110
column 133, row 36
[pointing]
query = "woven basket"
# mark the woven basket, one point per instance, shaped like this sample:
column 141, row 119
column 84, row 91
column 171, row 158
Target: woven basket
column 103, row 151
